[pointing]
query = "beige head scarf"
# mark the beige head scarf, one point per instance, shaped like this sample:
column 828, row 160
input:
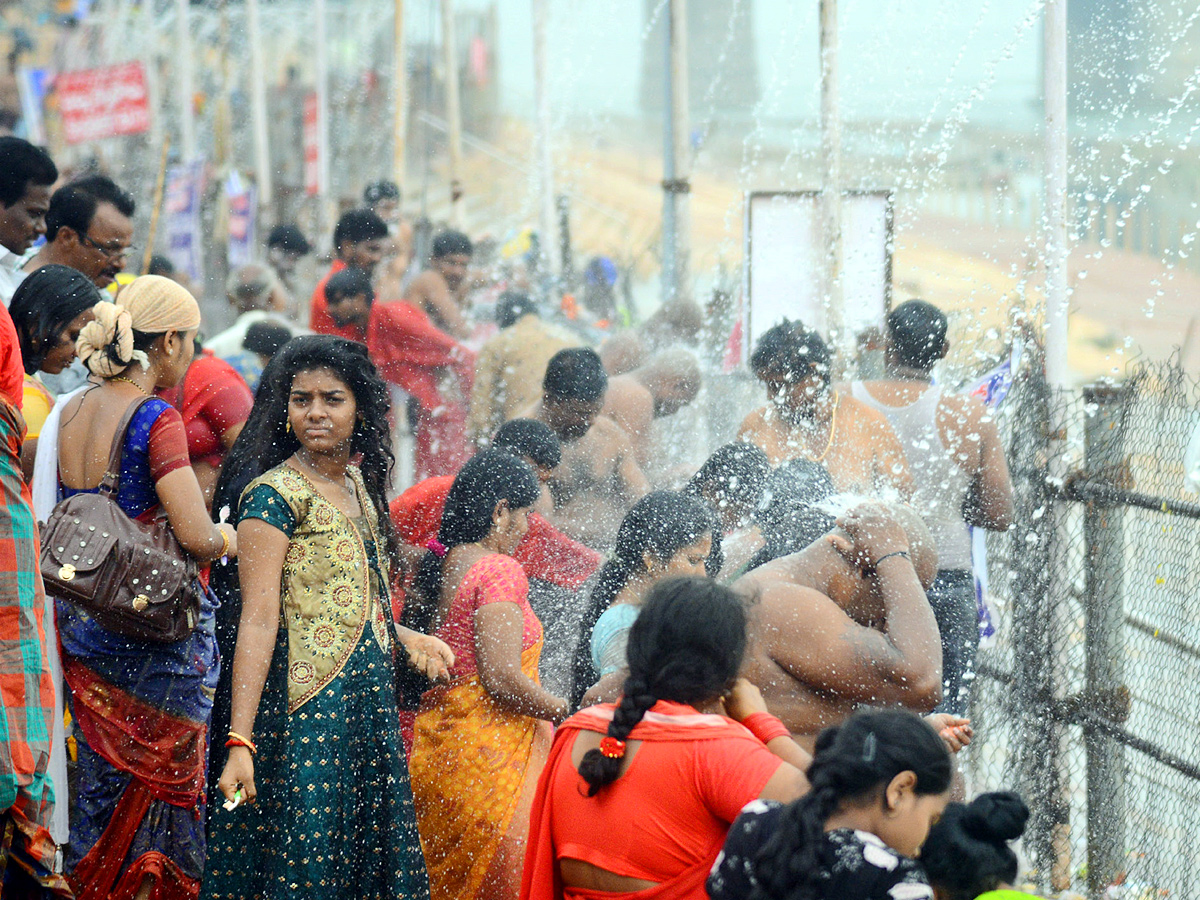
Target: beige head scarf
column 150, row 304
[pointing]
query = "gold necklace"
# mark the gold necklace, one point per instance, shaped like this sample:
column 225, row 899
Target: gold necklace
column 131, row 381
column 837, row 398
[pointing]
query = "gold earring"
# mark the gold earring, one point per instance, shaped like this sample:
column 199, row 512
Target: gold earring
column 287, row 425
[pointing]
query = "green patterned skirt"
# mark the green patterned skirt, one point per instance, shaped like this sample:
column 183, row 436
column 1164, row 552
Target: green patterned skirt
column 334, row 816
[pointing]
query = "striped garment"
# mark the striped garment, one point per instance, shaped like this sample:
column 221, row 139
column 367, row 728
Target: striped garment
column 26, row 690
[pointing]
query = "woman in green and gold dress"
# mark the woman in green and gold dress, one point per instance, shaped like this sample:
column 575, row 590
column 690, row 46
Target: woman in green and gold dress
column 315, row 759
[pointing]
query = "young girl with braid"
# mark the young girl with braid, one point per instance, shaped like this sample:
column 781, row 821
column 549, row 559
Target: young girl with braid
column 637, row 797
column 879, row 781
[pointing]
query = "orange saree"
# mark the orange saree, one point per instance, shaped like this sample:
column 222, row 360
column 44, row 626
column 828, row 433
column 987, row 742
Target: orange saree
column 474, row 766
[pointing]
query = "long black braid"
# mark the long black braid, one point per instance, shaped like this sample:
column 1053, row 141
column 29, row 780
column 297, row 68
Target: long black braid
column 686, row 646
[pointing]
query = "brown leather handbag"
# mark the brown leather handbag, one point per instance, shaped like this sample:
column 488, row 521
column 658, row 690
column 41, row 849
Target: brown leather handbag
column 131, row 577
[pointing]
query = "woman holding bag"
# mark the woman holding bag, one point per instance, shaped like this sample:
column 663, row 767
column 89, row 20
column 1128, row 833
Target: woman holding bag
column 141, row 708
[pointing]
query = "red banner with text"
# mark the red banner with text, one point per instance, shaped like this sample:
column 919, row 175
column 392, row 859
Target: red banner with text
column 103, row 103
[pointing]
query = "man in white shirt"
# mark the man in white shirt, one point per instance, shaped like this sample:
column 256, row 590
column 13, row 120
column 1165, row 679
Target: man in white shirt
column 26, row 175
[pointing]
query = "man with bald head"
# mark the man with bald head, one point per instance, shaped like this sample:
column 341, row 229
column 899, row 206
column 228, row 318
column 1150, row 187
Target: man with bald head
column 655, row 390
column 845, row 623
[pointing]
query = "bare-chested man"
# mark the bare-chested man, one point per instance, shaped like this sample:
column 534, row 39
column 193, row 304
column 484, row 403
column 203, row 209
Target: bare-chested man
column 958, row 466
column 845, row 623
column 805, row 419
column 660, row 388
column 599, row 477
column 441, row 289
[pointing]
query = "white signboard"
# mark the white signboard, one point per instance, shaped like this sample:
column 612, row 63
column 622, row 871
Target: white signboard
column 785, row 254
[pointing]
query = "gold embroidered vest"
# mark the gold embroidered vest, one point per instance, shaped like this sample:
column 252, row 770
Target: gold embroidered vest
column 326, row 595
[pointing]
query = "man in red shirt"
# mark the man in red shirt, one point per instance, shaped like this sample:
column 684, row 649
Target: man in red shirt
column 359, row 240
column 410, row 352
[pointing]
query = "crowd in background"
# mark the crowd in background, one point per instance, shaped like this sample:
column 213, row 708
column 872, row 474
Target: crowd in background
column 555, row 662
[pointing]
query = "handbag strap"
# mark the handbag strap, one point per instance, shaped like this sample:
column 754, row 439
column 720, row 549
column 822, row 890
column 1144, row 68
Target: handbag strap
column 112, row 475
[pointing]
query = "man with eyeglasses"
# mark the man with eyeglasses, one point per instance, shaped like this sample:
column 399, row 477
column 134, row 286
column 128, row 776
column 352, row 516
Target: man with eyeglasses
column 89, row 227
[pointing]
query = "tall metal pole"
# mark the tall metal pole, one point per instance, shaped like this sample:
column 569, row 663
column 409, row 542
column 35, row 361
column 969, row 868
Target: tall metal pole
column 258, row 100
column 547, row 220
column 831, row 185
column 322, row 54
column 453, row 112
column 676, row 284
column 400, row 86
column 187, row 87
column 1057, row 249
column 153, row 75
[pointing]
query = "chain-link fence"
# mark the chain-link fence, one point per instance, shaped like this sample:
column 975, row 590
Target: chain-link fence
column 1086, row 699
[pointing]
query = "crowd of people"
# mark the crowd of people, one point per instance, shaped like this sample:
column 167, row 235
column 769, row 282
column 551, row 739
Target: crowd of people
column 555, row 663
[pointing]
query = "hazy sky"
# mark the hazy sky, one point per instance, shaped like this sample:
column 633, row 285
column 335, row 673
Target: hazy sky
column 899, row 59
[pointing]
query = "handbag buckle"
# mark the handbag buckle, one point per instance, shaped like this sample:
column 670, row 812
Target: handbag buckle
column 67, row 572
column 140, row 602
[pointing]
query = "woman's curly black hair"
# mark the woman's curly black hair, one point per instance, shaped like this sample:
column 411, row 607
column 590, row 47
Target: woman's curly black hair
column 265, row 441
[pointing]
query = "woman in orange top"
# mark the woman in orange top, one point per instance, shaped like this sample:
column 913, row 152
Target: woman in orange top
column 481, row 740
column 637, row 798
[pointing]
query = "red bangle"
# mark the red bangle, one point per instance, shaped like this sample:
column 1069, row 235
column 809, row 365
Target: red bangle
column 239, row 741
column 765, row 726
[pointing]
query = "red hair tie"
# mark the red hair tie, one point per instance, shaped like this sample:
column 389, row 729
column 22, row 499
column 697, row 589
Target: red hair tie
column 612, row 747
column 437, row 547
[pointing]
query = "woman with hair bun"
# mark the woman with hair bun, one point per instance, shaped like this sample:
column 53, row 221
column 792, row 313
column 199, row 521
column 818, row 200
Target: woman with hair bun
column 665, row 534
column 878, row 782
column 967, row 854
column 637, row 797
column 480, row 741
column 142, row 710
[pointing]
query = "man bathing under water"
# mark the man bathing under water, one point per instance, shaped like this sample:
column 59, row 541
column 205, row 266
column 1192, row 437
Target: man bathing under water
column 599, row 477
column 660, row 388
column 844, row 623
column 805, row 419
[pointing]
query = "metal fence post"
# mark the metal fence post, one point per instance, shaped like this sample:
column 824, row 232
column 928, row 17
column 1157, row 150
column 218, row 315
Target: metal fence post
column 1034, row 562
column 1103, row 530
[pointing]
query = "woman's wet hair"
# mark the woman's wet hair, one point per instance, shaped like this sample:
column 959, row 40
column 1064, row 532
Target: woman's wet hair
column 787, row 516
column 734, row 475
column 967, row 852
column 265, row 440
column 488, row 478
column 44, row 304
column 790, row 352
column 686, row 646
column 662, row 523
column 852, row 763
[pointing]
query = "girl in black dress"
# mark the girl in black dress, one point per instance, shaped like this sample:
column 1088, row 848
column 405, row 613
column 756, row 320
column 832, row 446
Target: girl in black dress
column 879, row 781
